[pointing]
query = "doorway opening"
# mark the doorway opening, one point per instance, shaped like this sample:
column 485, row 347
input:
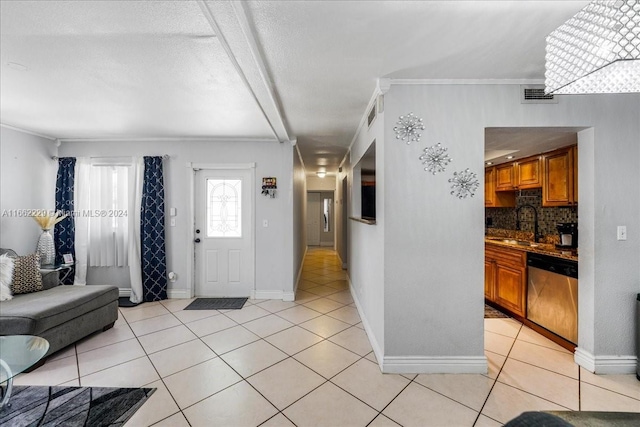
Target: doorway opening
column 320, row 218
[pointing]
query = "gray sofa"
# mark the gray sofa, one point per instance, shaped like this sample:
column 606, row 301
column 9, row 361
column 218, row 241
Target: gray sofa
column 61, row 314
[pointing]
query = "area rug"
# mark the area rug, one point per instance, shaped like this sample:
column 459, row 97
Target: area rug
column 72, row 406
column 217, row 304
column 492, row 313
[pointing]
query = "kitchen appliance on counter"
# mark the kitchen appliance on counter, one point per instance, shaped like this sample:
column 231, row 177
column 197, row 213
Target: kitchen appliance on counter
column 568, row 235
column 552, row 294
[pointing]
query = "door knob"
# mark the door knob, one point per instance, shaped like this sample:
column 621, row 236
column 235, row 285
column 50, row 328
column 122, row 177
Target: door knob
column 197, row 240
column 198, row 231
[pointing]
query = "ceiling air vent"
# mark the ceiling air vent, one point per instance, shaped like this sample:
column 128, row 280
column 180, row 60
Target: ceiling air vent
column 530, row 94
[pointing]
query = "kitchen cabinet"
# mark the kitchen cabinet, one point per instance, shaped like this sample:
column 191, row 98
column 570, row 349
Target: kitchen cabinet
column 506, row 278
column 559, row 172
column 529, row 173
column 505, row 177
column 493, row 199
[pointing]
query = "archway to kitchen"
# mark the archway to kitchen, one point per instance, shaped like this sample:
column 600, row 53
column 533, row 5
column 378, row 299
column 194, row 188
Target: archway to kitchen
column 531, row 226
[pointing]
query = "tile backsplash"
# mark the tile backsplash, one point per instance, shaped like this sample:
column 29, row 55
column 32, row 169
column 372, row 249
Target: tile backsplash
column 547, row 217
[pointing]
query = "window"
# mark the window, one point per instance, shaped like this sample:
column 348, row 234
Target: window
column 108, row 216
column 224, row 207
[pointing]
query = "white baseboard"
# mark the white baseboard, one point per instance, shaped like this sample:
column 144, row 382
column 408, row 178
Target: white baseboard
column 434, row 365
column 259, row 294
column 124, row 292
column 605, row 364
column 288, row 296
column 326, row 244
column 377, row 350
column 178, row 293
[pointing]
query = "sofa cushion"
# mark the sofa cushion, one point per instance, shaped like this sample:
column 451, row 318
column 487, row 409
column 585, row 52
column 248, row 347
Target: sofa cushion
column 31, row 314
column 26, row 274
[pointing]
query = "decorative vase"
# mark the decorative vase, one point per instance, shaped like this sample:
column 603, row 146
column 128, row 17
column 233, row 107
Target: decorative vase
column 46, row 248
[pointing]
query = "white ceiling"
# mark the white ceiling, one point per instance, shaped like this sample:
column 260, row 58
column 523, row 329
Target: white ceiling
column 272, row 70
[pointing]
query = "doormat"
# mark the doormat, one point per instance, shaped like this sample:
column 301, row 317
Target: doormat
column 217, row 304
column 492, row 313
column 126, row 302
column 72, row 406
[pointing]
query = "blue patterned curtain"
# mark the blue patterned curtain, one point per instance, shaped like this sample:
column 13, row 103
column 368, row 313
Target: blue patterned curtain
column 154, row 260
column 65, row 230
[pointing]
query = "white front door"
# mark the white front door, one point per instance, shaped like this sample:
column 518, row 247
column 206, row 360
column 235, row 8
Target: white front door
column 224, row 263
column 313, row 219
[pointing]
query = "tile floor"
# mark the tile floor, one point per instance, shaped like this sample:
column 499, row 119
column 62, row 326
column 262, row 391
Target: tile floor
column 309, row 363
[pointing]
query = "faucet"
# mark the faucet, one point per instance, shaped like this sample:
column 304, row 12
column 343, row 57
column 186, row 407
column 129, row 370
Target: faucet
column 536, row 236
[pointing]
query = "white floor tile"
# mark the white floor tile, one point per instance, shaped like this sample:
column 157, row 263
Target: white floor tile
column 548, row 385
column 495, row 362
column 343, row 297
column 325, row 326
column 268, row 325
column 176, row 304
column 354, row 339
column 135, row 373
column 285, row 382
column 108, row 356
column 229, row 339
column 187, row 316
column 529, row 335
column 298, row 314
column 293, row 340
column 154, row 324
column 382, row 421
column 162, row 340
column 471, row 390
column 303, row 297
column 143, row 311
column 247, row 314
column 506, row 403
column 324, row 305
column 346, row 314
column 345, row 410
column 176, row 420
column 364, row 380
column 326, row 358
column 239, row 405
column 274, row 305
column 200, row 381
column 508, row 327
column 419, row 406
column 100, row 339
column 544, row 357
column 278, row 420
column 157, row 408
column 484, row 421
column 497, row 343
column 181, row 357
column 599, row 399
column 53, row 372
column 211, row 325
column 623, row 384
column 69, row 350
column 253, row 358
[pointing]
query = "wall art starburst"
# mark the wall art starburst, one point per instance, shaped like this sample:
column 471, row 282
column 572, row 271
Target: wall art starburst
column 464, row 184
column 435, row 158
column 408, row 127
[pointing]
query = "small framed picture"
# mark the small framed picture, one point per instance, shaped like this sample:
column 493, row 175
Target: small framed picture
column 68, row 258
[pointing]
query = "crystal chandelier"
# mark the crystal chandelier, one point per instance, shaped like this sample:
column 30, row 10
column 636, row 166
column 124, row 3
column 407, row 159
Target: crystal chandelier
column 596, row 51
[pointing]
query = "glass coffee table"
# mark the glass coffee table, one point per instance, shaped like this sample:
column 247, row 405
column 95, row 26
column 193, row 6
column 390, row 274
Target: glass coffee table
column 17, row 354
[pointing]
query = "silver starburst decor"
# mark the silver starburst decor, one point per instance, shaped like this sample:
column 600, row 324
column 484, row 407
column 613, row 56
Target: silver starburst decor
column 435, row 158
column 464, row 184
column 408, row 127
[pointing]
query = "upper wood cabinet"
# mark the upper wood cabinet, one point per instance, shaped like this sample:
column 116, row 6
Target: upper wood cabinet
column 559, row 173
column 528, row 173
column 505, row 177
column 493, row 199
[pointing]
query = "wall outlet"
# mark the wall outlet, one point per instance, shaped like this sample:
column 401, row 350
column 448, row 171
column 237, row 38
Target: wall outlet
column 265, row 223
column 173, row 222
column 622, row 232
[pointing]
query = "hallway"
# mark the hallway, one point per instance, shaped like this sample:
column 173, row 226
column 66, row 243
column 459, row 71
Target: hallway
column 309, row 363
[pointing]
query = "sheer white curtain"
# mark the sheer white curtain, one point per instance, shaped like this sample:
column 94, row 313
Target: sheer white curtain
column 109, row 225
column 136, row 177
column 81, row 205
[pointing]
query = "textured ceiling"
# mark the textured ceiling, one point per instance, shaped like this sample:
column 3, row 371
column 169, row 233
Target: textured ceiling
column 303, row 69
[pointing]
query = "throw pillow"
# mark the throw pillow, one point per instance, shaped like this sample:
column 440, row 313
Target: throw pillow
column 26, row 274
column 6, row 272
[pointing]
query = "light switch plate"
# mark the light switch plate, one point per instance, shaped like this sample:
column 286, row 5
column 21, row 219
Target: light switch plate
column 622, row 232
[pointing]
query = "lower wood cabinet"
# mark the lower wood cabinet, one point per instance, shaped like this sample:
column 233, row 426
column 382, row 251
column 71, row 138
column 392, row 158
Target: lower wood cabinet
column 505, row 278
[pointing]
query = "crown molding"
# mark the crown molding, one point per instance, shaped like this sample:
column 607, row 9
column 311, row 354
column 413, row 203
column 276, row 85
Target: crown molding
column 466, row 81
column 171, row 139
column 27, row 131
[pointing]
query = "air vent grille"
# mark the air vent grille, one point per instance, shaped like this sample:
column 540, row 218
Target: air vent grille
column 535, row 95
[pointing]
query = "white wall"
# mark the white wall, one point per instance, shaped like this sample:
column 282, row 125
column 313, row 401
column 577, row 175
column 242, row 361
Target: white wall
column 299, row 194
column 366, row 242
column 433, row 260
column 274, row 249
column 27, row 181
column 328, row 183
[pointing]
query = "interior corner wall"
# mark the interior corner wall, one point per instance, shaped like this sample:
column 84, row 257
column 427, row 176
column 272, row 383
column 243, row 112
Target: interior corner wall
column 315, row 183
column 366, row 242
column 434, row 250
column 299, row 195
column 27, row 181
column 274, row 244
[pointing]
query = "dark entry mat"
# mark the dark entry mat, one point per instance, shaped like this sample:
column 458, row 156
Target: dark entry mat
column 125, row 302
column 492, row 313
column 217, row 304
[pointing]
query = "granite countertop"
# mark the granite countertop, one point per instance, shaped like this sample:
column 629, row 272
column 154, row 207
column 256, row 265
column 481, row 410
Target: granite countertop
column 509, row 238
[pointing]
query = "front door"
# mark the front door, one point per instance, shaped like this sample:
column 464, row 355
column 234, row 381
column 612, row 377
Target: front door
column 224, row 263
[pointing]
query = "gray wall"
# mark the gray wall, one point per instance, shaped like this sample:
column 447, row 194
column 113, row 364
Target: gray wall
column 299, row 195
column 27, row 181
column 433, row 259
column 274, row 249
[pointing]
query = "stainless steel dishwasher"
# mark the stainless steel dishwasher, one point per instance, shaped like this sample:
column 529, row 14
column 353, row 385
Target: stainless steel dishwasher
column 552, row 294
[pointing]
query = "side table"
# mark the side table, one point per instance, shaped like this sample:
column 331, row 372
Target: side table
column 58, row 273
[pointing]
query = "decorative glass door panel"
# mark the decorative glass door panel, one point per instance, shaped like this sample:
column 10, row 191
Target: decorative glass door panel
column 224, row 208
